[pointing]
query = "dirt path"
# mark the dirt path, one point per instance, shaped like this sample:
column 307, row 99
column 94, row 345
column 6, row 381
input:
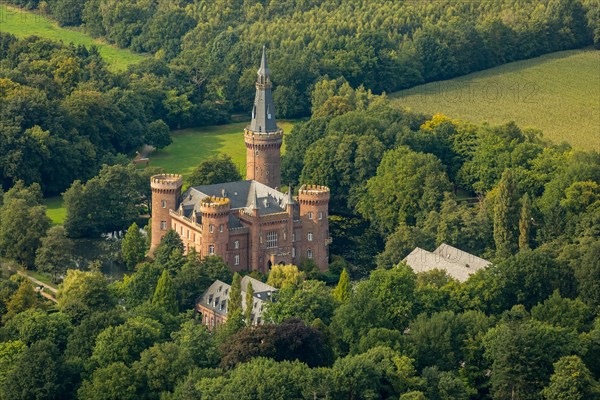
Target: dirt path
column 42, row 284
column 38, row 282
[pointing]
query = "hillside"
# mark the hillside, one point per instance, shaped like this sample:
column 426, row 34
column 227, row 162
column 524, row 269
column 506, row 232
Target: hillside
column 558, row 93
column 22, row 23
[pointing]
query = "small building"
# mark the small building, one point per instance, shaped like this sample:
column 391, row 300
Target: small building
column 455, row 262
column 213, row 304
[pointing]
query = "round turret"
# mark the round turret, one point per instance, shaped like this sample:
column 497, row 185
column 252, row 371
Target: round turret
column 166, row 192
column 263, row 157
column 314, row 207
column 215, row 225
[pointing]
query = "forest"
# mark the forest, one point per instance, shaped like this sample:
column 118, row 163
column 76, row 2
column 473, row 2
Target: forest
column 526, row 327
column 205, row 54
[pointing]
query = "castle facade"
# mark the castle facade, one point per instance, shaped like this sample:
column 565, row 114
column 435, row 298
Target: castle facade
column 250, row 224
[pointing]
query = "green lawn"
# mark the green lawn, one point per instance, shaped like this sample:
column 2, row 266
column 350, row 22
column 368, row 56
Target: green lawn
column 23, row 23
column 191, row 146
column 558, row 93
column 55, row 209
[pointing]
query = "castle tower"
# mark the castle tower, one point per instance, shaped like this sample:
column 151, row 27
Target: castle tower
column 314, row 203
column 263, row 137
column 215, row 226
column 166, row 193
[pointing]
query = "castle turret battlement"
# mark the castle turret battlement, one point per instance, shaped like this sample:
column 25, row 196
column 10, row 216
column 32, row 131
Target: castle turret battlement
column 166, row 182
column 215, row 205
column 310, row 194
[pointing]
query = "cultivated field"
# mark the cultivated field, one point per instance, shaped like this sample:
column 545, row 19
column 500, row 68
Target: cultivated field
column 23, row 23
column 558, row 93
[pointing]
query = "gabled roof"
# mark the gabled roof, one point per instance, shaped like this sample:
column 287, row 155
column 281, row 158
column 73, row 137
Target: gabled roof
column 457, row 263
column 242, row 194
column 458, row 256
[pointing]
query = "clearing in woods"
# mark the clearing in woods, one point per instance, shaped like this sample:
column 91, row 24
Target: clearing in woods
column 189, row 148
column 22, row 23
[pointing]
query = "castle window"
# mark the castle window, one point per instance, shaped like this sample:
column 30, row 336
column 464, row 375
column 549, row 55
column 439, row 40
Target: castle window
column 310, row 236
column 211, row 249
column 236, row 244
column 293, row 236
column 320, row 214
column 163, row 225
column 221, row 228
column 236, row 259
column 309, row 254
column 163, row 204
column 310, row 215
column 188, row 234
column 293, row 252
column 271, row 239
column 211, row 228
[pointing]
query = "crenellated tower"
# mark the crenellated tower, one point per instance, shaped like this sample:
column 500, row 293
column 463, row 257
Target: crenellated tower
column 215, row 225
column 166, row 194
column 263, row 137
column 314, row 204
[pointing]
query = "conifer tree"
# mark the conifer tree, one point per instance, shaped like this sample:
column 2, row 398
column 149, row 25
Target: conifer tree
column 133, row 246
column 249, row 302
column 235, row 295
column 525, row 222
column 164, row 295
column 504, row 216
column 342, row 290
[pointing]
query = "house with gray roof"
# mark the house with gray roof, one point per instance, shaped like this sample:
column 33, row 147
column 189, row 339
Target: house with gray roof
column 455, row 262
column 213, row 304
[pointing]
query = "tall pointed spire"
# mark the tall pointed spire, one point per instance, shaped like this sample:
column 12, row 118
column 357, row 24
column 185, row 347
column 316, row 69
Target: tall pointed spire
column 263, row 112
column 264, row 70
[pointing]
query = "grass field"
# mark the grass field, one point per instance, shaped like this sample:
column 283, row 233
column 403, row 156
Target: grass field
column 23, row 23
column 55, row 209
column 191, row 146
column 558, row 93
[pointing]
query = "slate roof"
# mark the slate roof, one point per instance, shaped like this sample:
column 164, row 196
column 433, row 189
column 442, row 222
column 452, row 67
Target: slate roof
column 242, row 194
column 216, row 297
column 457, row 263
column 263, row 111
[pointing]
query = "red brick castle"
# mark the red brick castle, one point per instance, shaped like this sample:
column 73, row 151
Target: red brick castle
column 250, row 224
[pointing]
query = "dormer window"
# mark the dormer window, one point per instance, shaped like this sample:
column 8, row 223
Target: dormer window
column 268, row 112
column 254, row 112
